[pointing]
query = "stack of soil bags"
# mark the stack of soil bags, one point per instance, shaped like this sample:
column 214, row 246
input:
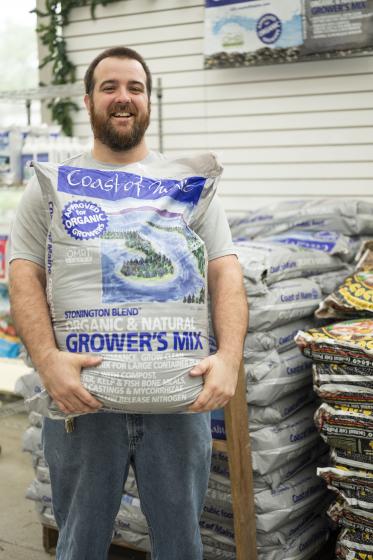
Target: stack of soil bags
column 342, row 371
column 293, row 255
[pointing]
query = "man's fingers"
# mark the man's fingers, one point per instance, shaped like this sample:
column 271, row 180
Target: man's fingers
column 88, row 400
column 202, row 368
column 86, row 360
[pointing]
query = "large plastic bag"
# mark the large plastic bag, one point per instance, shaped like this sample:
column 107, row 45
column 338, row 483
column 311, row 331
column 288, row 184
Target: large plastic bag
column 127, row 276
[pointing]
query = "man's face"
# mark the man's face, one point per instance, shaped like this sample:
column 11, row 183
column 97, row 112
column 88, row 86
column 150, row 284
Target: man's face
column 119, row 107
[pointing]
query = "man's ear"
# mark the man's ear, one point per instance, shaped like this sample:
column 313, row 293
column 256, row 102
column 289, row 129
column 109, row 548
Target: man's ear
column 87, row 103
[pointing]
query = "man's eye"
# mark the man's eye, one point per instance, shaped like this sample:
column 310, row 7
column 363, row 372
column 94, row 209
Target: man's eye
column 108, row 89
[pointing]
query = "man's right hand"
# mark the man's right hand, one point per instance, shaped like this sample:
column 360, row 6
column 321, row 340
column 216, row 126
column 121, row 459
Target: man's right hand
column 60, row 373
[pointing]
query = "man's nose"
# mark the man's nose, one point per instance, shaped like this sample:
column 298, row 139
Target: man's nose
column 123, row 95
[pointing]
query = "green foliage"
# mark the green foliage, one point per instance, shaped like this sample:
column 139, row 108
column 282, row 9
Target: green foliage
column 63, row 70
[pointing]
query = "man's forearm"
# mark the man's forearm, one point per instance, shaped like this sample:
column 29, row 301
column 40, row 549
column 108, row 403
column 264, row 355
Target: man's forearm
column 30, row 309
column 229, row 310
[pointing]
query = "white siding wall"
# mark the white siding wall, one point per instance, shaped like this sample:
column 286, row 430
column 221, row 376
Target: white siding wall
column 285, row 131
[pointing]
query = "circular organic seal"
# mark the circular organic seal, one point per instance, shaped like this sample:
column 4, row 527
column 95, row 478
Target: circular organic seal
column 268, row 28
column 83, row 219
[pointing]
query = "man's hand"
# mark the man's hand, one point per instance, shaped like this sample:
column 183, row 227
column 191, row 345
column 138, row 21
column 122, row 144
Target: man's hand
column 220, row 383
column 60, row 373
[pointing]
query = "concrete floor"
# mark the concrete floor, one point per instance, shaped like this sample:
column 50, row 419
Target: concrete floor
column 20, row 528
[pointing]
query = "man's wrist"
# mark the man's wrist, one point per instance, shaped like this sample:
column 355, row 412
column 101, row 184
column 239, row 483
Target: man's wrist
column 232, row 358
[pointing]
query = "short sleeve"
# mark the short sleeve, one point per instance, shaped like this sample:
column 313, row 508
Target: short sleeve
column 29, row 229
column 215, row 232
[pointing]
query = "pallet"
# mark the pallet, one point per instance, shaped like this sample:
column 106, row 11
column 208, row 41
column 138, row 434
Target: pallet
column 117, row 551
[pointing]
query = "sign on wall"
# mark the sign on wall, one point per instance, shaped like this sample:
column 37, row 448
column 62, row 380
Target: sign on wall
column 254, row 32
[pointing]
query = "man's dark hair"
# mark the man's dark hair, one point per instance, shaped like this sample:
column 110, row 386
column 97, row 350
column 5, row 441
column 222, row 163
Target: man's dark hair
column 116, row 52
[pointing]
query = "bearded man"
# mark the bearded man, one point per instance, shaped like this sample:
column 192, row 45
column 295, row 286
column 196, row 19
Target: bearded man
column 170, row 453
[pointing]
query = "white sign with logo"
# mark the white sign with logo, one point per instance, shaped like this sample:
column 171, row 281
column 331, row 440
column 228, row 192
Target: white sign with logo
column 247, row 25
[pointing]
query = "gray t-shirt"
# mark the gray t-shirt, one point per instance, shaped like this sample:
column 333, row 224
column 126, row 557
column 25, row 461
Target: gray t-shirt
column 30, row 228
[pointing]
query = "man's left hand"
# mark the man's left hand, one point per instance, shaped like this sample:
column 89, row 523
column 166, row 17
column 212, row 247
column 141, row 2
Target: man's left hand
column 219, row 386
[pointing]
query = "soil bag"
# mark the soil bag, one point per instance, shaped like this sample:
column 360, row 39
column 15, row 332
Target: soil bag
column 127, row 276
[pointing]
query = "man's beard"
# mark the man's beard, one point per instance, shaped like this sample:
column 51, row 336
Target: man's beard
column 115, row 138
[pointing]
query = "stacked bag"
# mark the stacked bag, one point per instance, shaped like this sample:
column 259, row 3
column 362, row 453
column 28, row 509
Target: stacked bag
column 291, row 259
column 342, row 373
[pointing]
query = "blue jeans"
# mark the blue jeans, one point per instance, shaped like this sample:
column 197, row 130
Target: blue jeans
column 170, row 454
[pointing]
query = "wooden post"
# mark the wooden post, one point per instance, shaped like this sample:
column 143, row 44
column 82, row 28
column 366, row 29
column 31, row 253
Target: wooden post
column 241, row 474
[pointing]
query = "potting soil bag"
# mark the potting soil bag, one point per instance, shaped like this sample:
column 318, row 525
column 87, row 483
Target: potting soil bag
column 354, row 486
column 272, row 365
column 130, row 516
column 295, row 493
column 267, row 262
column 350, row 517
column 263, row 393
column 127, row 276
column 348, row 430
column 349, row 375
column 356, row 541
column 280, row 338
column 281, row 474
column 348, row 343
column 329, row 281
column 304, row 545
column 350, row 217
column 274, row 446
column 31, row 441
column 353, row 298
column 278, row 410
column 330, row 242
column 350, row 458
column 42, row 474
column 286, row 301
column 347, row 397
column 217, row 550
column 39, row 492
column 218, row 531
